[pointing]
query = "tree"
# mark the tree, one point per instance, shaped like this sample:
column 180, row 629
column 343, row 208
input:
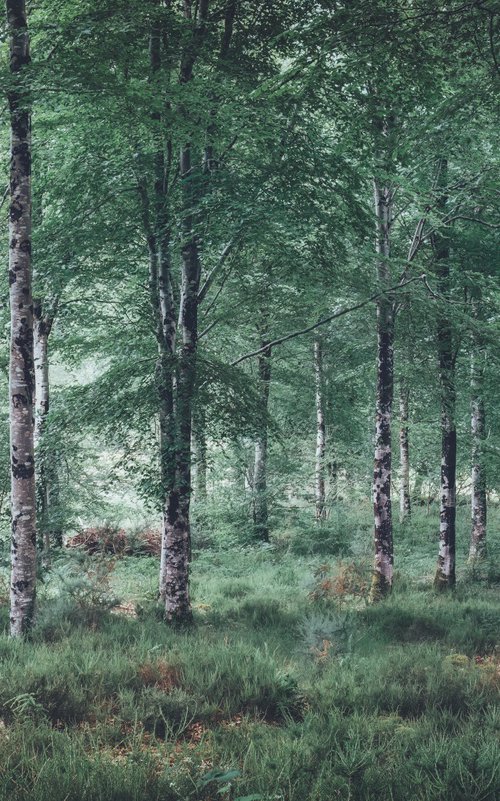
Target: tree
column 383, row 565
column 23, row 505
column 46, row 480
column 320, row 431
column 445, row 572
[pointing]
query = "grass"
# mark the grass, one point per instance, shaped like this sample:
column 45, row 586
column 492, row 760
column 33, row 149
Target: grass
column 288, row 687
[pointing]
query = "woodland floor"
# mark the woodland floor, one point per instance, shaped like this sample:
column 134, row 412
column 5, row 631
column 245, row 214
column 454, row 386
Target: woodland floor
column 288, row 687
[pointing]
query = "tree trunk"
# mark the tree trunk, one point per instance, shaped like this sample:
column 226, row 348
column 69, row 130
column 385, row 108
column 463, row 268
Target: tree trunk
column 200, row 458
column 260, row 499
column 445, row 572
column 383, row 563
column 177, row 526
column 404, row 497
column 320, row 432
column 477, row 548
column 178, row 535
column 157, row 227
column 41, row 364
column 260, row 505
column 47, row 494
column 421, row 474
column 21, row 379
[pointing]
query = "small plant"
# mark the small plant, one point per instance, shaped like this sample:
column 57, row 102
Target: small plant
column 324, row 636
column 25, row 705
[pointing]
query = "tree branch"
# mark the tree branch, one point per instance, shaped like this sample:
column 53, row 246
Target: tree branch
column 328, row 319
column 472, row 219
column 213, row 273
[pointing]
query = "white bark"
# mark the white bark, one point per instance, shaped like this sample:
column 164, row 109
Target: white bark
column 383, row 562
column 21, row 383
column 320, row 433
column 404, row 495
column 478, row 429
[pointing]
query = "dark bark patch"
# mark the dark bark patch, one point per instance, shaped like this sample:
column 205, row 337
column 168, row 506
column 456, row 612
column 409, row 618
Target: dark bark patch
column 23, row 470
column 16, row 211
column 19, row 400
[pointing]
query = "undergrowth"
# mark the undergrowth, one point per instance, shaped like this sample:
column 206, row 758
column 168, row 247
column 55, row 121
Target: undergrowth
column 289, row 687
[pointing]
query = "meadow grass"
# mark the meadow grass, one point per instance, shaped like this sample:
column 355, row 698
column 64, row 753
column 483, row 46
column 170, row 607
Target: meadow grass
column 289, row 687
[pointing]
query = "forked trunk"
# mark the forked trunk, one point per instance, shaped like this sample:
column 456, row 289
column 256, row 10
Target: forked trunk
column 383, row 563
column 21, row 379
column 320, row 433
column 404, row 455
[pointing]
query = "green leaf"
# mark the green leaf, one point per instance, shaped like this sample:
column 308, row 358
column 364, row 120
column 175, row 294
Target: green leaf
column 218, row 775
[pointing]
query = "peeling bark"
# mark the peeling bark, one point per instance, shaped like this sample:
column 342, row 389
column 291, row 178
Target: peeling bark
column 445, row 571
column 320, row 432
column 383, row 562
column 477, row 548
column 21, row 378
column 404, row 455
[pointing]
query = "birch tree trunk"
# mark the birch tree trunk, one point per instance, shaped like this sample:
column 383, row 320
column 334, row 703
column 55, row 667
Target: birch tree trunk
column 404, row 455
column 21, row 379
column 445, row 572
column 383, row 563
column 477, row 548
column 42, row 327
column 157, row 227
column 260, row 504
column 177, row 526
column 320, row 432
column 178, row 535
column 200, row 457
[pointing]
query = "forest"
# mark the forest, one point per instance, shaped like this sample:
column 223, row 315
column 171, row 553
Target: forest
column 249, row 430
